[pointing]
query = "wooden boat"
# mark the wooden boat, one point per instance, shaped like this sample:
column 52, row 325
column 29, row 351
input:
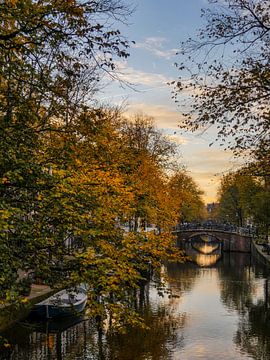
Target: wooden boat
column 63, row 303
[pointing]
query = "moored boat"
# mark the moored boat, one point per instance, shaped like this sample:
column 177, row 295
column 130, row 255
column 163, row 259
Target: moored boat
column 63, row 303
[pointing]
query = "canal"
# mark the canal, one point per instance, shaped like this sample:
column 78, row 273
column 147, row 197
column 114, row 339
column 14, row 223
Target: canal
column 219, row 311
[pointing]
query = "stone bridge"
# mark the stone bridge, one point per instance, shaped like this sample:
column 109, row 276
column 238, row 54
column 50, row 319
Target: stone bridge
column 231, row 241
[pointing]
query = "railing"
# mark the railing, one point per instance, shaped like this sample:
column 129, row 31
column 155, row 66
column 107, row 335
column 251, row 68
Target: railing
column 248, row 230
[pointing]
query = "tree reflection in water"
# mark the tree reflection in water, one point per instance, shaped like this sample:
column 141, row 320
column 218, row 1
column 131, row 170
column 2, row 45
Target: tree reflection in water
column 222, row 311
column 253, row 335
column 58, row 341
column 181, row 277
column 239, row 287
column 156, row 343
column 236, row 282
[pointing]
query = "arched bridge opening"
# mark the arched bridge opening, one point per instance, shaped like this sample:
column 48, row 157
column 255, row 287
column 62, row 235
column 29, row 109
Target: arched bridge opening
column 230, row 241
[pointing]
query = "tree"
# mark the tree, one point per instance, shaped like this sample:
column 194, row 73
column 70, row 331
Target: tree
column 258, row 165
column 261, row 211
column 149, row 153
column 98, row 191
column 142, row 135
column 69, row 173
column 186, row 197
column 73, row 233
column 236, row 193
column 52, row 55
column 229, row 80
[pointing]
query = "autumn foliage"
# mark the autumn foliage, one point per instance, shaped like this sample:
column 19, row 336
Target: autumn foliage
column 72, row 175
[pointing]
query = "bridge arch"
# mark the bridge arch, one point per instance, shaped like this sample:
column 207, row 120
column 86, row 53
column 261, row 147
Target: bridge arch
column 231, row 241
column 202, row 233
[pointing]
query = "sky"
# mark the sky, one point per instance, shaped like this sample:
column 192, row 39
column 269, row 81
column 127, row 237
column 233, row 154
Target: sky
column 158, row 27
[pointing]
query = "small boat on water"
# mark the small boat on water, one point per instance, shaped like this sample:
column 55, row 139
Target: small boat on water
column 63, row 303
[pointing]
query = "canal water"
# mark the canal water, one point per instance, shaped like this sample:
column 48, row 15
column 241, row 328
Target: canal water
column 219, row 311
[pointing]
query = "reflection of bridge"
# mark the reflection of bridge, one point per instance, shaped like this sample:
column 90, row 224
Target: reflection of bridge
column 231, row 241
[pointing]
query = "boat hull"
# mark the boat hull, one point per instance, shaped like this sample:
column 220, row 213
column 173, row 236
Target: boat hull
column 63, row 303
column 52, row 311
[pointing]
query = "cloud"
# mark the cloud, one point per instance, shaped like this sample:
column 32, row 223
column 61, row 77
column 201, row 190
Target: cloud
column 207, row 166
column 208, row 182
column 143, row 81
column 138, row 77
column 178, row 139
column 164, row 117
column 152, row 42
column 216, row 161
column 155, row 45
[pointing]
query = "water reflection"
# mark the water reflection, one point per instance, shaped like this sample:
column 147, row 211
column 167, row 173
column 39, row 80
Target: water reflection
column 237, row 284
column 207, row 238
column 206, row 260
column 205, row 244
column 253, row 332
column 79, row 338
column 220, row 312
column 205, row 248
column 245, row 289
column 48, row 340
column 156, row 343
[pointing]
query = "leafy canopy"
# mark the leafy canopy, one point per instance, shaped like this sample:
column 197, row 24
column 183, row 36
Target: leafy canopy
column 229, row 66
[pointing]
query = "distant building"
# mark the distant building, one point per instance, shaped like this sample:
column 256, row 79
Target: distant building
column 212, row 209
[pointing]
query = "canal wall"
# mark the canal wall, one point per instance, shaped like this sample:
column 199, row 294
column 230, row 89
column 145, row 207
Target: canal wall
column 258, row 253
column 12, row 313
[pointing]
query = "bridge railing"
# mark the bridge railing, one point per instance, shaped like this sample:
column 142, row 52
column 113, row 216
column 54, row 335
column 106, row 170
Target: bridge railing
column 251, row 231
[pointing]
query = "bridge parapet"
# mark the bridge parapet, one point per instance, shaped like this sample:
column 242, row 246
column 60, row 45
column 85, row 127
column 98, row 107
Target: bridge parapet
column 218, row 227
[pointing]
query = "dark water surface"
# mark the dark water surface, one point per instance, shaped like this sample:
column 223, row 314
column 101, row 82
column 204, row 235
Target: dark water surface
column 221, row 312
